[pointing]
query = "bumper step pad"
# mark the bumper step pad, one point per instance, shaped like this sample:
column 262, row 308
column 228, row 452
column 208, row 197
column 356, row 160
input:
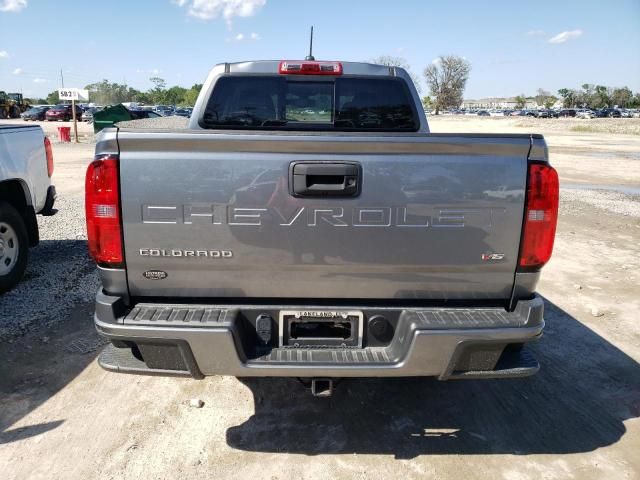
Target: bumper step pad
column 122, row 360
column 510, row 365
column 177, row 315
column 324, row 356
column 463, row 318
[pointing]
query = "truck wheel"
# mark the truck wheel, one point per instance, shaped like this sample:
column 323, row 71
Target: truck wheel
column 14, row 247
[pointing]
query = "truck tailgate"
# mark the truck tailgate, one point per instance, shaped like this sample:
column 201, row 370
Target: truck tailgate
column 206, row 214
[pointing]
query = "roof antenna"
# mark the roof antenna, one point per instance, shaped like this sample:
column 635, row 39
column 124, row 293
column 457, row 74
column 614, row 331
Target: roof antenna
column 310, row 56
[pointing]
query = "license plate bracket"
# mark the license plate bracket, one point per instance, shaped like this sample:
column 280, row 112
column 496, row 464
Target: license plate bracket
column 320, row 328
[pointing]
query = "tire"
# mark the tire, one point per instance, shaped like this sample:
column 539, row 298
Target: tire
column 14, row 247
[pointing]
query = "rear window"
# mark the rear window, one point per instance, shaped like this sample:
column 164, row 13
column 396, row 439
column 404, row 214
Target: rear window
column 342, row 104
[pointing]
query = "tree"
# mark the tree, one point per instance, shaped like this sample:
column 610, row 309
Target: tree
column 621, row 97
column 108, row 93
column 191, row 95
column 550, row 101
column 159, row 83
column 391, row 61
column 586, row 96
column 138, row 96
column 545, row 99
column 521, row 101
column 447, row 78
column 602, row 96
column 427, row 103
column 541, row 96
column 157, row 93
column 35, row 101
column 175, row 95
column 53, row 98
column 568, row 97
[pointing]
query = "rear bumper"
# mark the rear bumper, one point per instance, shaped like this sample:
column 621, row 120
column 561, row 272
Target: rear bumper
column 199, row 340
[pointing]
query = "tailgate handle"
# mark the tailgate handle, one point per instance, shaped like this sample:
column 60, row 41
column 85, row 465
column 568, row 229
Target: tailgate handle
column 329, row 179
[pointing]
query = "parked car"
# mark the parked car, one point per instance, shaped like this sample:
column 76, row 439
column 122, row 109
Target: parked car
column 62, row 112
column 585, row 113
column 624, row 113
column 483, row 113
column 137, row 114
column 608, row 113
column 25, row 191
column 35, row 113
column 164, row 110
column 87, row 115
column 184, row 292
column 547, row 114
column 183, row 112
column 568, row 112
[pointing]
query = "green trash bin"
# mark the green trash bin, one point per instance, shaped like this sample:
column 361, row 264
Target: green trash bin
column 110, row 115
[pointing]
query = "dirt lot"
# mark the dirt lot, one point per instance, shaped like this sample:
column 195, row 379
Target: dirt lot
column 61, row 416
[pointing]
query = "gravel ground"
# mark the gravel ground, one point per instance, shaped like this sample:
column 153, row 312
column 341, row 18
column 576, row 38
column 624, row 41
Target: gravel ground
column 624, row 126
column 161, row 123
column 59, row 276
column 627, row 205
column 548, row 126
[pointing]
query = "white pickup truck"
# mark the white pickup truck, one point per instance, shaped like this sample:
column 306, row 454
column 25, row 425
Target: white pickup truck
column 26, row 166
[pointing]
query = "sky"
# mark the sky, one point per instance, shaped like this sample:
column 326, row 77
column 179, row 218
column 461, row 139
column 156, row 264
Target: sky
column 514, row 46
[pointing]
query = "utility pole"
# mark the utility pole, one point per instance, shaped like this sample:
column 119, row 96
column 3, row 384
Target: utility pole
column 75, row 120
column 61, row 79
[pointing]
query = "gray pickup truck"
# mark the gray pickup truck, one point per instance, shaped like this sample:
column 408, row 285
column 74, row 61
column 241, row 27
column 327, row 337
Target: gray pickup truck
column 26, row 166
column 307, row 224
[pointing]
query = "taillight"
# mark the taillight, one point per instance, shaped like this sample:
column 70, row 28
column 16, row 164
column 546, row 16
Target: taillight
column 296, row 67
column 541, row 216
column 49, row 153
column 102, row 209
